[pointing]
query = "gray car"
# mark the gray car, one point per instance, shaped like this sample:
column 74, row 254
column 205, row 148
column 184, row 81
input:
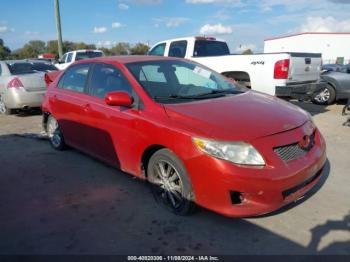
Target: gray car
column 337, row 88
column 21, row 86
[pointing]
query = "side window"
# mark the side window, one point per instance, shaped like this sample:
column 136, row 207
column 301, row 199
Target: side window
column 75, row 78
column 63, row 59
column 178, row 49
column 158, row 50
column 106, row 79
column 69, row 57
column 150, row 73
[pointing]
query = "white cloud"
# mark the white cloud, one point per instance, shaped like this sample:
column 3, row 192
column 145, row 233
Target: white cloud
column 214, row 2
column 146, row 2
column 5, row 29
column 170, row 21
column 123, row 6
column 244, row 47
column 217, row 29
column 31, row 33
column 325, row 24
column 106, row 43
column 100, row 30
column 116, row 25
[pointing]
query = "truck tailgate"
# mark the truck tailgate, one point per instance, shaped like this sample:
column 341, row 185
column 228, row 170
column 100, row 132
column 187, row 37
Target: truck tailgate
column 304, row 67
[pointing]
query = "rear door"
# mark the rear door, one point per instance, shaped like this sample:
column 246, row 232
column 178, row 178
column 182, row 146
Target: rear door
column 68, row 105
column 304, row 67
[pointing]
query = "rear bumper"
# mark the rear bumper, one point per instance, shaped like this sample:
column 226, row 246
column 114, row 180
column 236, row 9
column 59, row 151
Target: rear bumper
column 299, row 91
column 20, row 98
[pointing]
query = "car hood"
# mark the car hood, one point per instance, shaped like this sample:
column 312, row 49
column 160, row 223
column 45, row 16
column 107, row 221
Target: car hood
column 242, row 117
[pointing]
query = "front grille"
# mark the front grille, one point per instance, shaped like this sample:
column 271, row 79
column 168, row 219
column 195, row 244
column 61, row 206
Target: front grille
column 294, row 151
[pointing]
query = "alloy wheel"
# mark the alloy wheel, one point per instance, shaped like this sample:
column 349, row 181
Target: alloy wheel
column 323, row 96
column 168, row 184
column 3, row 108
column 53, row 132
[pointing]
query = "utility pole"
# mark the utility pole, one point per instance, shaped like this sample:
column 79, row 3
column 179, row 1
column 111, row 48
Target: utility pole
column 58, row 28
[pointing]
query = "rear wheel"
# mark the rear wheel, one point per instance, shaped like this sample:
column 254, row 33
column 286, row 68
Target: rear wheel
column 325, row 97
column 54, row 133
column 170, row 183
column 3, row 109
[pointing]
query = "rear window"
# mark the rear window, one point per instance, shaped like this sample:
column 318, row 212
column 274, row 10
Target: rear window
column 20, row 68
column 210, row 48
column 87, row 55
column 42, row 67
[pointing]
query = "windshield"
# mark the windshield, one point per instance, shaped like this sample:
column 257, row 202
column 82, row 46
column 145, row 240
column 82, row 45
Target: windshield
column 210, row 48
column 173, row 81
column 20, row 68
column 87, row 55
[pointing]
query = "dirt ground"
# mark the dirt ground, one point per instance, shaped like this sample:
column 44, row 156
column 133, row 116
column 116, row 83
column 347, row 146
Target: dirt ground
column 68, row 203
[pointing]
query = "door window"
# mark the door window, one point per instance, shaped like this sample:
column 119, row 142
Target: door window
column 178, row 49
column 63, row 59
column 75, row 78
column 69, row 58
column 158, row 50
column 106, row 79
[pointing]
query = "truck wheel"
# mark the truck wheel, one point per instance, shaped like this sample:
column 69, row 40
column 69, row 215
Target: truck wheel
column 170, row 184
column 324, row 97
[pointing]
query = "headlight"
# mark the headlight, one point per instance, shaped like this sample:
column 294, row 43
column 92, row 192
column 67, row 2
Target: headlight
column 236, row 152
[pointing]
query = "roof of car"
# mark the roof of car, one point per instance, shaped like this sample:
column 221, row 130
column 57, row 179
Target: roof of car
column 129, row 59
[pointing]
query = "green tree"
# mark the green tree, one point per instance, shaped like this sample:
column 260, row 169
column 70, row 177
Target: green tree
column 106, row 51
column 139, row 49
column 82, row 45
column 4, row 50
column 120, row 49
column 31, row 49
column 247, row 52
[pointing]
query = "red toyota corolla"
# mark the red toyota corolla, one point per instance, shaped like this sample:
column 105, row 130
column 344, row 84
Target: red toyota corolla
column 193, row 134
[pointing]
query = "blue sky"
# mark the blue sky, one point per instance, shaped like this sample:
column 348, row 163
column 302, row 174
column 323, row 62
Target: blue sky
column 243, row 23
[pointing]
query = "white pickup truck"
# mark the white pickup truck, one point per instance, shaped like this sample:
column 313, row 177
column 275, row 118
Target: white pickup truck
column 293, row 75
column 72, row 56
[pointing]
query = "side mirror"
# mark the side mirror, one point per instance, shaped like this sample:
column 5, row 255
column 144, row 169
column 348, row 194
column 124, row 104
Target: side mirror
column 118, row 99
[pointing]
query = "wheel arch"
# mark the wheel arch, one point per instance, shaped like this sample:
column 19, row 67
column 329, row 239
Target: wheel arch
column 147, row 154
column 242, row 77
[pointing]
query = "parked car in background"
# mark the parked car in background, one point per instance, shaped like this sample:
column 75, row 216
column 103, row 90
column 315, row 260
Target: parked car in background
column 190, row 132
column 70, row 57
column 21, row 86
column 338, row 86
column 332, row 67
column 288, row 75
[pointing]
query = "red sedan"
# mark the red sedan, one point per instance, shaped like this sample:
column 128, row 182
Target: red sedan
column 195, row 136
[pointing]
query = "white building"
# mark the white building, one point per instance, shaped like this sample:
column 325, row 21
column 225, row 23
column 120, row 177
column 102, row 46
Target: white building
column 334, row 47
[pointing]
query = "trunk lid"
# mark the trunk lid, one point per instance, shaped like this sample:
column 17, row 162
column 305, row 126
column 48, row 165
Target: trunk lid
column 33, row 82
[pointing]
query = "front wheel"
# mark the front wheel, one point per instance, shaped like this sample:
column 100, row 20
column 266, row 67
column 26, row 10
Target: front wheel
column 324, row 97
column 54, row 134
column 170, row 184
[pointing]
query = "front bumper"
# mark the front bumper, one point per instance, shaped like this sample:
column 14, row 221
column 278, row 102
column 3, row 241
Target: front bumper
column 263, row 189
column 20, row 98
column 299, row 91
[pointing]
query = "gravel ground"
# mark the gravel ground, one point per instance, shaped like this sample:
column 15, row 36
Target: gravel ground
column 67, row 203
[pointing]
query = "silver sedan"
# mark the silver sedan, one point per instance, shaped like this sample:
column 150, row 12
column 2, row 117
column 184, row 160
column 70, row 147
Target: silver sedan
column 21, row 86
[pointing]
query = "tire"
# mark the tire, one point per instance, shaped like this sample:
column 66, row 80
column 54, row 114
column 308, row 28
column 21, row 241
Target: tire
column 170, row 183
column 3, row 109
column 325, row 96
column 54, row 134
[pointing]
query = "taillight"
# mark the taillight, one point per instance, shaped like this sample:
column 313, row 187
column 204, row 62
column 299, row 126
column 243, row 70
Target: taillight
column 281, row 69
column 15, row 83
column 48, row 80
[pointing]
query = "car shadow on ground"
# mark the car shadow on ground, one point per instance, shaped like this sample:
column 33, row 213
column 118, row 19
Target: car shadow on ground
column 313, row 109
column 28, row 113
column 67, row 203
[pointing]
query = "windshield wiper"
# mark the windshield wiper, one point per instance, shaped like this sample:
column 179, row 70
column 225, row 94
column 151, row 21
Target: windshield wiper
column 213, row 93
